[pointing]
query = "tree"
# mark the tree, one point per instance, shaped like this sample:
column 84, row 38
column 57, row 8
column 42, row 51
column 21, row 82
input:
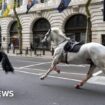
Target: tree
column 89, row 24
column 0, row 4
column 0, row 1
column 19, row 26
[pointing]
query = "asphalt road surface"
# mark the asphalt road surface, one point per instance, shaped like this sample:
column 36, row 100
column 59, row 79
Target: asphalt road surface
column 24, row 87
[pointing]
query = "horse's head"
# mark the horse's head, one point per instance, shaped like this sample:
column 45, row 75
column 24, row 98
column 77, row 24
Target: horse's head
column 47, row 37
column 55, row 35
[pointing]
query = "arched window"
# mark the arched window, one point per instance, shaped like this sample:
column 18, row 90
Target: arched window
column 40, row 28
column 75, row 27
column 14, row 37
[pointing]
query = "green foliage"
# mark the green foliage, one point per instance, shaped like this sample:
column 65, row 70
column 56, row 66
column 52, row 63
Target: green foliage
column 87, row 7
column 0, row 4
column 0, row 1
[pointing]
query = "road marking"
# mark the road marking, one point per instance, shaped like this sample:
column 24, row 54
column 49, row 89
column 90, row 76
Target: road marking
column 72, row 65
column 70, row 73
column 42, row 63
column 55, row 71
column 49, row 76
column 97, row 73
column 33, row 65
column 25, row 72
column 100, row 80
column 27, row 61
column 73, row 73
column 76, row 80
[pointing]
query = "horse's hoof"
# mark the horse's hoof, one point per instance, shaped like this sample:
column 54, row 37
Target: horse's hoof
column 42, row 78
column 77, row 86
column 58, row 71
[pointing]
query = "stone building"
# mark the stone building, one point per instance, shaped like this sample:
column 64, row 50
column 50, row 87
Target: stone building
column 44, row 15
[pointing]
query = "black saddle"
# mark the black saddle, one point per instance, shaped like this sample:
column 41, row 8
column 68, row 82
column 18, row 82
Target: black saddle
column 71, row 46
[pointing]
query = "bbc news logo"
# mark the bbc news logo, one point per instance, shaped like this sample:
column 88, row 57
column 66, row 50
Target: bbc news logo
column 7, row 93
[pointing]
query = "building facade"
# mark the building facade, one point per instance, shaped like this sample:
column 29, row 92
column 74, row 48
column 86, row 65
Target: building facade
column 44, row 15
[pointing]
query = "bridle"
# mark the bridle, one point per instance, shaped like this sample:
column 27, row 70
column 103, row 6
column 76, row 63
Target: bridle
column 48, row 33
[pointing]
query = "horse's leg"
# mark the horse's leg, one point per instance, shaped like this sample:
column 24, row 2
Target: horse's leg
column 89, row 75
column 47, row 73
column 53, row 67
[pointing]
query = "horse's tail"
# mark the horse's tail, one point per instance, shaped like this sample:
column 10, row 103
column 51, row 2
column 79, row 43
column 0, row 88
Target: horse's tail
column 6, row 65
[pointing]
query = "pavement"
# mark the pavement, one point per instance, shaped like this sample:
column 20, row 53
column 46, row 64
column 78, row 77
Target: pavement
column 39, row 53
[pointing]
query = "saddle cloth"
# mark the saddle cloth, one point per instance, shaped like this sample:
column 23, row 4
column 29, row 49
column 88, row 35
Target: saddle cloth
column 73, row 46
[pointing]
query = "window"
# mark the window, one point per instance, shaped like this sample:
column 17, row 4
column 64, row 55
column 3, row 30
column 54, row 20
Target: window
column 103, row 39
column 14, row 37
column 40, row 28
column 75, row 27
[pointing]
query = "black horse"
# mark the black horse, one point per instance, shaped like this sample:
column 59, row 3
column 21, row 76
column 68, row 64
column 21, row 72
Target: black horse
column 6, row 65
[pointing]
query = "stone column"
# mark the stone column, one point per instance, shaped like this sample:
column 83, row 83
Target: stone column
column 5, row 31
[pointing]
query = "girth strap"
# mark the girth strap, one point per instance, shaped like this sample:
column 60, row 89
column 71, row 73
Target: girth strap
column 66, row 61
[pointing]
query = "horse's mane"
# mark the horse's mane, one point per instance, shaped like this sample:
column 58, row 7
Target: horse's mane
column 58, row 31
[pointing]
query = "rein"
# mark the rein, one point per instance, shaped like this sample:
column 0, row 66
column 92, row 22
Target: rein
column 62, row 42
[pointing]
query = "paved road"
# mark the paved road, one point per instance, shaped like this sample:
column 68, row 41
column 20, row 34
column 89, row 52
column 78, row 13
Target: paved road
column 57, row 89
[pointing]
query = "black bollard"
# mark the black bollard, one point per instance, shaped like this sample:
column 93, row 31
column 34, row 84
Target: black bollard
column 52, row 51
column 13, row 50
column 30, row 51
column 35, row 52
column 7, row 49
column 26, row 52
column 43, row 51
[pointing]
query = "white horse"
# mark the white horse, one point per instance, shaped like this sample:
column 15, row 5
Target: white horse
column 89, row 53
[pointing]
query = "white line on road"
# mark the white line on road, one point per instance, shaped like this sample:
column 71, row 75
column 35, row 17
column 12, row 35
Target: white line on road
column 55, row 72
column 72, row 65
column 33, row 65
column 25, row 72
column 48, row 76
column 27, row 61
column 42, row 63
column 97, row 73
column 91, row 81
column 69, row 73
column 76, row 80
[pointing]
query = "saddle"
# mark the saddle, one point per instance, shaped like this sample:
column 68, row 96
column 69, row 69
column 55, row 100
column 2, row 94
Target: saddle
column 71, row 46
